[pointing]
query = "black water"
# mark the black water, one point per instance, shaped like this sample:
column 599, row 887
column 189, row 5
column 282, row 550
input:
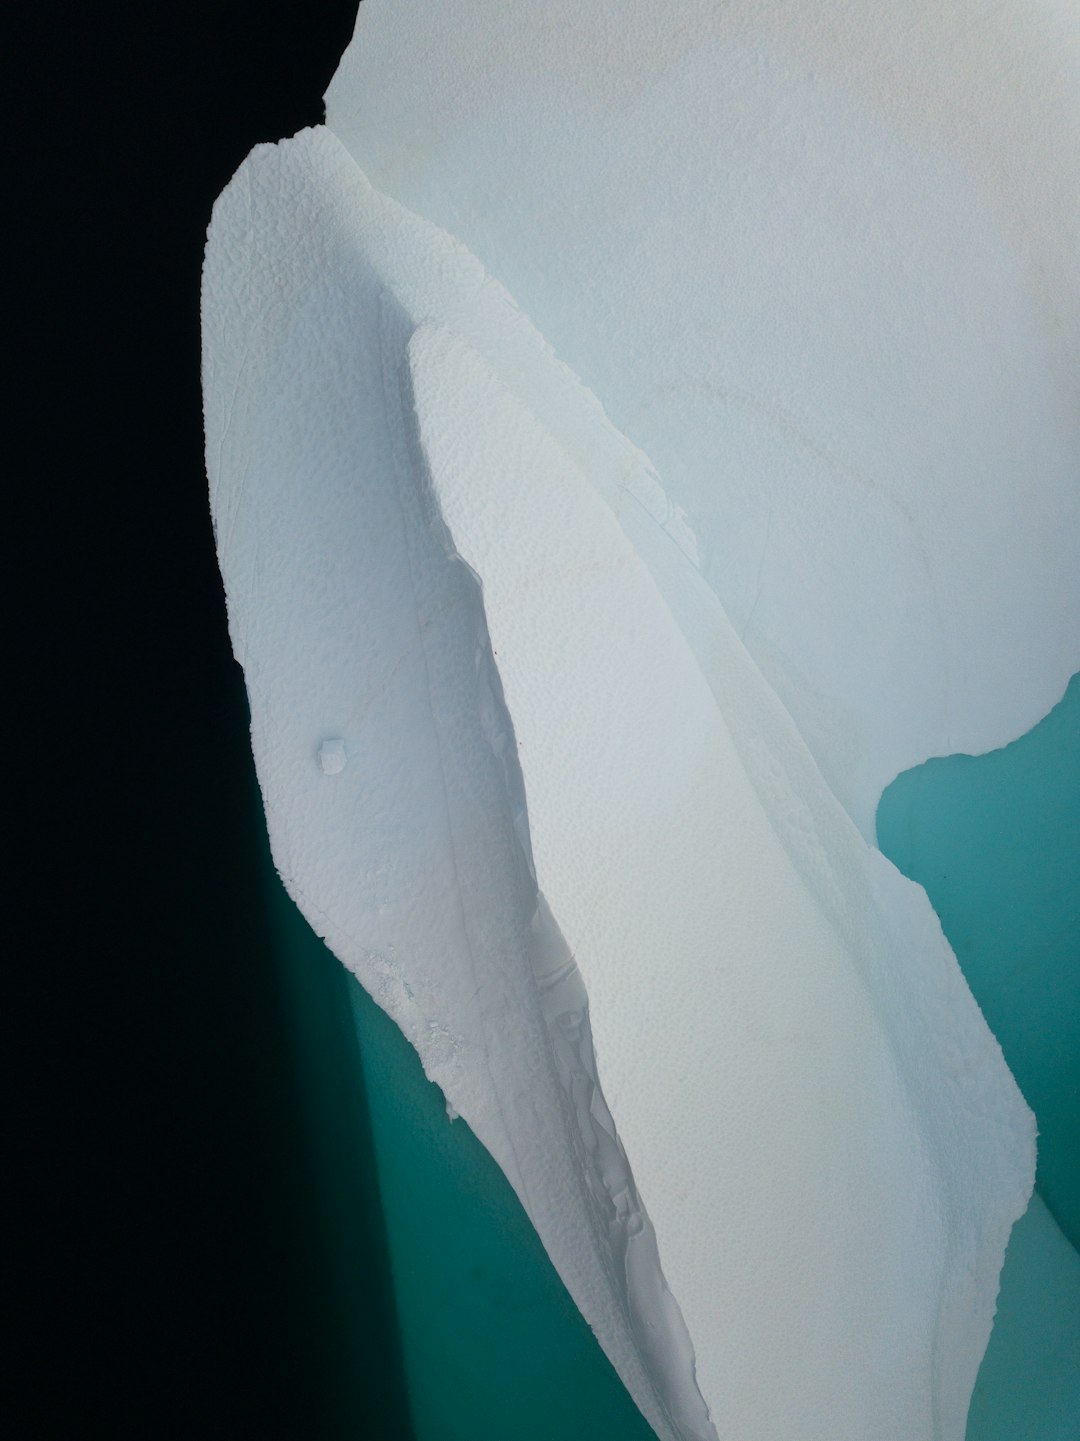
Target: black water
column 167, row 1271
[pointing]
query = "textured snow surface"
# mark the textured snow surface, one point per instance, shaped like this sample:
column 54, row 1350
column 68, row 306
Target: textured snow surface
column 822, row 263
column 510, row 745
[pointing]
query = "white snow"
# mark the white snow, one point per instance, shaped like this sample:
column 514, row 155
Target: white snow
column 822, row 263
column 444, row 564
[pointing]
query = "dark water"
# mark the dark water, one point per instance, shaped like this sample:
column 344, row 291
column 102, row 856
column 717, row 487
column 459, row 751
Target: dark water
column 478, row 1336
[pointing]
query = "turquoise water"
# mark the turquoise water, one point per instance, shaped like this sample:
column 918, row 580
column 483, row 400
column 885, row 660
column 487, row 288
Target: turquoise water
column 995, row 840
column 488, row 1342
column 1028, row 1388
column 337, row 1236
column 493, row 1346
column 479, row 1341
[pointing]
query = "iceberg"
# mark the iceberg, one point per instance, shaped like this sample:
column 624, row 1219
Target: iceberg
column 524, row 776
column 822, row 265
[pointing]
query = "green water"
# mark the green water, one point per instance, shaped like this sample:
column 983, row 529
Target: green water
column 479, row 1333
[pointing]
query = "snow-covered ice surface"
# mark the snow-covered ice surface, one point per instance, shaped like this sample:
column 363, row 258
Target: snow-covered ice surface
column 510, row 745
column 822, row 263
